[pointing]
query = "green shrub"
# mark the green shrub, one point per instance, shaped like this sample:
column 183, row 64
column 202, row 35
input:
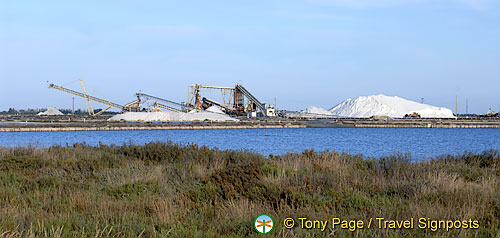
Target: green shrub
column 170, row 190
column 132, row 190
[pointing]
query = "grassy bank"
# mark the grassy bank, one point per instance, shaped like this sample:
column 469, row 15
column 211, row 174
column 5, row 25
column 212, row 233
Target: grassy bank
column 163, row 189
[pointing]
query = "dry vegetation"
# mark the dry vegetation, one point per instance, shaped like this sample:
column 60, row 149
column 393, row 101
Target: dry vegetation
column 168, row 190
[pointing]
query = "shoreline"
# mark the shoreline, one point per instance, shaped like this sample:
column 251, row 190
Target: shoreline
column 100, row 125
column 145, row 128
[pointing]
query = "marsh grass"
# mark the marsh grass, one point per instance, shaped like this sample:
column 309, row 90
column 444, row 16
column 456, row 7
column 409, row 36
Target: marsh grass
column 169, row 190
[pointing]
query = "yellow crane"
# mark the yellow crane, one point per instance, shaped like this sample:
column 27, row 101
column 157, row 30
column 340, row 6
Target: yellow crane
column 129, row 107
column 87, row 101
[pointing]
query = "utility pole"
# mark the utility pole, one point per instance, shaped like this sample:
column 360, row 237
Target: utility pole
column 73, row 106
column 422, row 101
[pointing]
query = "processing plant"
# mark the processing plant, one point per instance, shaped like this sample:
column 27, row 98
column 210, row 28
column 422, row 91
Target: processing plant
column 233, row 101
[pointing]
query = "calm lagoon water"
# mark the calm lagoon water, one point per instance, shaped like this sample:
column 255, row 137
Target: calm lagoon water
column 422, row 143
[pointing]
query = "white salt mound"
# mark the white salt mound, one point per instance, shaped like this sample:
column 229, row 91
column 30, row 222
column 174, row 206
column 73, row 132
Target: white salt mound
column 51, row 111
column 171, row 116
column 317, row 110
column 381, row 105
column 311, row 112
column 214, row 109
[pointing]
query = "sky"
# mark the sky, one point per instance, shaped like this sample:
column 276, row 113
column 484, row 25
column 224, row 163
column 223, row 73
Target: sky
column 297, row 53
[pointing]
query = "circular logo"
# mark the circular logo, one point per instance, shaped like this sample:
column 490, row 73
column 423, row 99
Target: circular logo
column 264, row 224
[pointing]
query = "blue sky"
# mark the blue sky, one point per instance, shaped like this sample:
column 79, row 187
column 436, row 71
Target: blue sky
column 301, row 53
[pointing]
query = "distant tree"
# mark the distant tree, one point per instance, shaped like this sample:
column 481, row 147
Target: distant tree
column 12, row 111
column 66, row 111
column 32, row 111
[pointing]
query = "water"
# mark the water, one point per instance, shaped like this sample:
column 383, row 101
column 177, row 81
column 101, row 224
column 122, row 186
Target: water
column 422, row 143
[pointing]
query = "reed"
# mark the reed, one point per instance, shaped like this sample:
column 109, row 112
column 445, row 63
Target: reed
column 171, row 190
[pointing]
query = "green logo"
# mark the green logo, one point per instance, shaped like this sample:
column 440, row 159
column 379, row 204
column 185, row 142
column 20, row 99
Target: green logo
column 264, row 224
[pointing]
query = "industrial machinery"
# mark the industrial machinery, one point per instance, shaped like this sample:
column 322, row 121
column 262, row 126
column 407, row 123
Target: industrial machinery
column 199, row 104
column 490, row 114
column 164, row 103
column 233, row 100
column 228, row 109
column 132, row 106
column 414, row 115
column 254, row 102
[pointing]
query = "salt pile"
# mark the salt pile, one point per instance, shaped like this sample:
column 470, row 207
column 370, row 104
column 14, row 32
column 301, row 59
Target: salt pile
column 317, row 110
column 311, row 112
column 51, row 111
column 214, row 109
column 171, row 116
column 381, row 105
